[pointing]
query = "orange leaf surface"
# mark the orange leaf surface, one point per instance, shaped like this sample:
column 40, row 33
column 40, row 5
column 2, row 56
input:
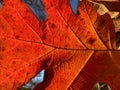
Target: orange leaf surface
column 75, row 50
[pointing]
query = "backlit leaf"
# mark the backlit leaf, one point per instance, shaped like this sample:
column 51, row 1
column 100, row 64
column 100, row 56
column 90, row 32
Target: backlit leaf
column 77, row 51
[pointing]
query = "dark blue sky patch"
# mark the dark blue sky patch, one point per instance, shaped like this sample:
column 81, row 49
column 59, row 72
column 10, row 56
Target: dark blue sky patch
column 74, row 5
column 38, row 8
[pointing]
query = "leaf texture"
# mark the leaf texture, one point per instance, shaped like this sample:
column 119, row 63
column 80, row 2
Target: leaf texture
column 75, row 50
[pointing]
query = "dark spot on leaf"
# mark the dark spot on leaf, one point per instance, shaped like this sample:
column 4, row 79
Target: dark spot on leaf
column 66, row 45
column 2, row 46
column 14, row 62
column 88, row 32
column 43, row 26
column 52, row 25
column 1, row 56
column 18, row 49
column 91, row 40
column 2, row 49
column 21, row 31
column 17, row 36
column 81, row 19
column 43, row 36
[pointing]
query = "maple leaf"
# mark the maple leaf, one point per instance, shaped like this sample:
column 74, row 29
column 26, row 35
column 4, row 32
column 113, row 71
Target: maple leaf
column 75, row 50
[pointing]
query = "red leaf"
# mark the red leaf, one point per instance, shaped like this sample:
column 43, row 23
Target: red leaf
column 68, row 46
